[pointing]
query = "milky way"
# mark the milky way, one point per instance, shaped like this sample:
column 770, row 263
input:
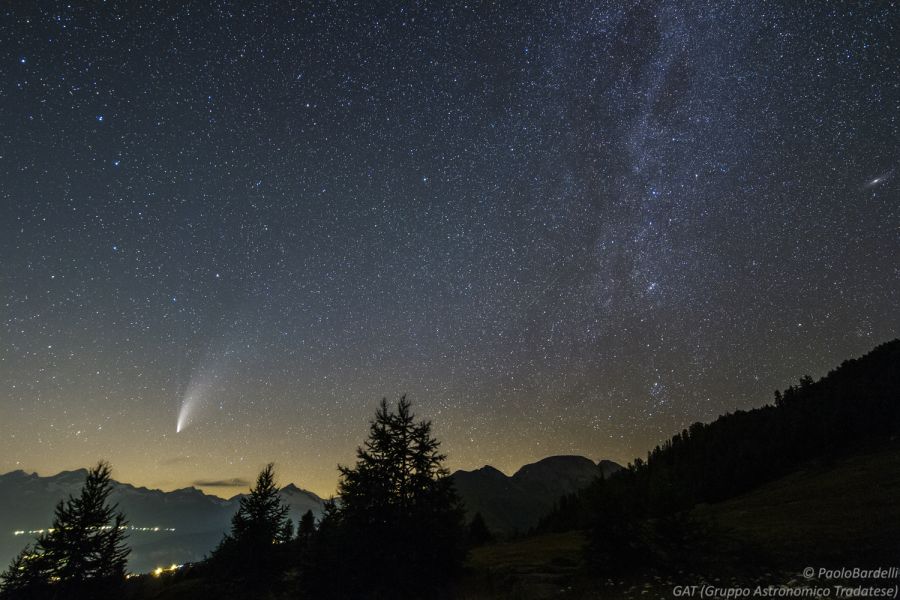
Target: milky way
column 560, row 228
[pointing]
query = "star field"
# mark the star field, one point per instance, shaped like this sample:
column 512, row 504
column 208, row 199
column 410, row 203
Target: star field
column 561, row 228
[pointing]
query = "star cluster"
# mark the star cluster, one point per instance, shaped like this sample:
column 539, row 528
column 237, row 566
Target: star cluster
column 561, row 228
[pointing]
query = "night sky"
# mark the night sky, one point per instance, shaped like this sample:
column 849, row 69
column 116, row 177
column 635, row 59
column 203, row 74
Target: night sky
column 569, row 228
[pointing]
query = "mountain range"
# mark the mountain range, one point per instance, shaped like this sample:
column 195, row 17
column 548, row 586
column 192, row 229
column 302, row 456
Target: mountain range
column 515, row 503
column 184, row 525
column 190, row 523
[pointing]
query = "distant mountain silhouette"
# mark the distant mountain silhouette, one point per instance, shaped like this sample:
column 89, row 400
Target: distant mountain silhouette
column 27, row 501
column 507, row 503
column 516, row 503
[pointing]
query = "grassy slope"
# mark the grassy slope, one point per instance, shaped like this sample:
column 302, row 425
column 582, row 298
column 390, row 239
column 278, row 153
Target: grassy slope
column 536, row 567
column 561, row 550
column 843, row 514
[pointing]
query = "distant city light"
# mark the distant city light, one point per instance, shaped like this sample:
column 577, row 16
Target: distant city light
column 158, row 571
column 126, row 527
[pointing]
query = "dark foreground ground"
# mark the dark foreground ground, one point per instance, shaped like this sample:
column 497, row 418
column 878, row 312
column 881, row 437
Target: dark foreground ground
column 845, row 513
column 842, row 514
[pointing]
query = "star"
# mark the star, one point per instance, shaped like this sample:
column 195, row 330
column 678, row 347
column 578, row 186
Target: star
column 622, row 202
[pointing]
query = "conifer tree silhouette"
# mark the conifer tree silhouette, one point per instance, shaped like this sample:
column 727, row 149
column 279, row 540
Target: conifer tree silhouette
column 252, row 555
column 83, row 555
column 398, row 531
column 307, row 527
column 479, row 534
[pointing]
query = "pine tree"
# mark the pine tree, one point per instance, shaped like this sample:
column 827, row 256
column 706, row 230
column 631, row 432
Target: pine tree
column 398, row 531
column 261, row 514
column 287, row 532
column 323, row 562
column 306, row 527
column 84, row 554
column 28, row 576
column 479, row 534
column 251, row 554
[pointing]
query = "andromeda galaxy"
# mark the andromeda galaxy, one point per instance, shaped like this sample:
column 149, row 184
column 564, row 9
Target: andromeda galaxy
column 880, row 179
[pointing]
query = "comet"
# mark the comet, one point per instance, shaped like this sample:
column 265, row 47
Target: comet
column 184, row 414
column 191, row 402
column 206, row 382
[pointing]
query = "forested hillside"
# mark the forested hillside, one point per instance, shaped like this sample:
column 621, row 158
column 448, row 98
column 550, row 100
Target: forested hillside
column 856, row 403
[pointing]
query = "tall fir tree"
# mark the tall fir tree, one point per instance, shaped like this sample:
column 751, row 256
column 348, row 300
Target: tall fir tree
column 83, row 555
column 28, row 576
column 306, row 527
column 478, row 533
column 253, row 555
column 398, row 531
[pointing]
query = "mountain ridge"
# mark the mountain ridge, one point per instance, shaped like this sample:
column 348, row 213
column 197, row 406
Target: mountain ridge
column 515, row 503
column 191, row 522
column 174, row 526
